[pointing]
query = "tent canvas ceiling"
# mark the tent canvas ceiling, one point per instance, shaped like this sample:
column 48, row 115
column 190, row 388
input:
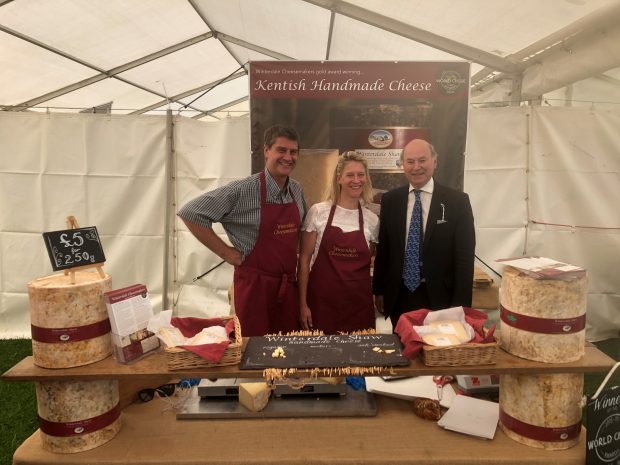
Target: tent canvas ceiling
column 145, row 56
column 192, row 55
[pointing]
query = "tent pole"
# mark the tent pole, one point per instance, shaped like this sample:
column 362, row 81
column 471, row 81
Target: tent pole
column 515, row 91
column 169, row 210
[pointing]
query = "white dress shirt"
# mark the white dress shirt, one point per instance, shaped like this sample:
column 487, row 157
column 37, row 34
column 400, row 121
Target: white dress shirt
column 345, row 219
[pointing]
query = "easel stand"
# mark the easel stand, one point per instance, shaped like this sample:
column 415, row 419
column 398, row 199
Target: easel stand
column 73, row 224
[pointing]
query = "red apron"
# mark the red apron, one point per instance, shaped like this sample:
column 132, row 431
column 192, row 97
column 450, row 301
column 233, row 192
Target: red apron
column 339, row 286
column 266, row 283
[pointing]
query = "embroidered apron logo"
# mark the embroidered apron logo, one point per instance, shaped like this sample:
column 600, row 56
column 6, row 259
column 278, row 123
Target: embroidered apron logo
column 349, row 252
column 287, row 228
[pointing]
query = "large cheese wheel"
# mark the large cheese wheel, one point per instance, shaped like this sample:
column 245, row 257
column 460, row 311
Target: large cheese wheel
column 542, row 411
column 545, row 302
column 75, row 416
column 70, row 325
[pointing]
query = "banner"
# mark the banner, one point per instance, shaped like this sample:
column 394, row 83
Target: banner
column 375, row 108
column 603, row 425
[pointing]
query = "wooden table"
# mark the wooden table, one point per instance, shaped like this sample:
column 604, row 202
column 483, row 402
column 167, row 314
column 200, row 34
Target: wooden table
column 394, row 437
column 154, row 367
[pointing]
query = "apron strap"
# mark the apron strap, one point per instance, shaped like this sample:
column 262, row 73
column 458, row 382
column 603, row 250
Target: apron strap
column 331, row 216
column 360, row 217
column 263, row 189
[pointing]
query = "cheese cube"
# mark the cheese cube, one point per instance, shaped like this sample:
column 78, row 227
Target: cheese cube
column 254, row 396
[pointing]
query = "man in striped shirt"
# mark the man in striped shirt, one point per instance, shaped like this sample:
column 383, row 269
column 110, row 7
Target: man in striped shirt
column 261, row 215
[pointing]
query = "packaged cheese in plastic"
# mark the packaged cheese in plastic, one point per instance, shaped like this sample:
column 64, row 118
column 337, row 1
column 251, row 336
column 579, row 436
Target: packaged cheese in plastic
column 445, row 328
column 441, row 340
column 171, row 336
column 452, row 328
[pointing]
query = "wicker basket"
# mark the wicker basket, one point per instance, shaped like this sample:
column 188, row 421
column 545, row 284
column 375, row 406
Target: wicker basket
column 466, row 354
column 181, row 359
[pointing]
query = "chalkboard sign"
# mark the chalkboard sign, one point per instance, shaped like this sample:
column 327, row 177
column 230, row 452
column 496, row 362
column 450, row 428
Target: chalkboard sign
column 328, row 351
column 603, row 428
column 71, row 248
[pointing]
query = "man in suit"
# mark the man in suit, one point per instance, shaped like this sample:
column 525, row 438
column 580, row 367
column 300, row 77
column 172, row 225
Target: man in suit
column 443, row 266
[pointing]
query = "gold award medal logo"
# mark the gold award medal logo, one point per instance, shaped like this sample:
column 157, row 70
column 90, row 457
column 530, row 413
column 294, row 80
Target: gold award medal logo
column 450, row 81
column 380, row 138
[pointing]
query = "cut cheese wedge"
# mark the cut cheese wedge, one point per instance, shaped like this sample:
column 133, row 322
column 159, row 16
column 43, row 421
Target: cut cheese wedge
column 254, row 396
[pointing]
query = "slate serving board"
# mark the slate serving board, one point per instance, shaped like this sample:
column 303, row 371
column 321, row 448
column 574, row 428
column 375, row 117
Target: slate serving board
column 328, row 351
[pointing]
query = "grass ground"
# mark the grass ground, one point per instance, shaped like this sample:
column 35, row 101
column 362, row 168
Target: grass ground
column 18, row 408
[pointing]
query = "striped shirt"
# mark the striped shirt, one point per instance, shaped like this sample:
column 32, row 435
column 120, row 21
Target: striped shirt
column 237, row 207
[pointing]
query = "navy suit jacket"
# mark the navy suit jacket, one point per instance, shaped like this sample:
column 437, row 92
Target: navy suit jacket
column 447, row 251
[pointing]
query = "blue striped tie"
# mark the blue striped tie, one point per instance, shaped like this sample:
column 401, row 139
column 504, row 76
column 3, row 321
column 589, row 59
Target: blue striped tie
column 411, row 269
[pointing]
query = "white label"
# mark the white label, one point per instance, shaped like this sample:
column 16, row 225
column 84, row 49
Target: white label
column 446, row 328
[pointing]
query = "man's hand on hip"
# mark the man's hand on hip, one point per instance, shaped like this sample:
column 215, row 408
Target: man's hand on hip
column 232, row 256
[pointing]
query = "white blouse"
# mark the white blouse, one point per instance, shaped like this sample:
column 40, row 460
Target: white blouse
column 345, row 219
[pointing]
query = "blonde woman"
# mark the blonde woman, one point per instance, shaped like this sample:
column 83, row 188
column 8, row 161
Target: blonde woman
column 337, row 241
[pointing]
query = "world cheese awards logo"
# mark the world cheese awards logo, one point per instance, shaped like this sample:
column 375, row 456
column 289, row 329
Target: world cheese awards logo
column 450, row 81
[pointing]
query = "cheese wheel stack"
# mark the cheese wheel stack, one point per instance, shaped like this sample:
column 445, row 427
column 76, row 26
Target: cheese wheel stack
column 542, row 411
column 70, row 325
column 556, row 307
column 75, row 416
column 542, row 320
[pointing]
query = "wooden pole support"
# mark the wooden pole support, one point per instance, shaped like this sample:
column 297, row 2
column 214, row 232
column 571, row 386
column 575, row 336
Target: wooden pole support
column 72, row 223
column 100, row 271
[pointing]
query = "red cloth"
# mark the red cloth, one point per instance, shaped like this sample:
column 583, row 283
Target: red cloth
column 412, row 342
column 191, row 326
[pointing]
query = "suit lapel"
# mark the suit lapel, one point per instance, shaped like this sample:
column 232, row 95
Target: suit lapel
column 401, row 217
column 434, row 213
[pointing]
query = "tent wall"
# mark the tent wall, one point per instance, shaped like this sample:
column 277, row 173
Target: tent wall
column 208, row 156
column 546, row 181
column 109, row 171
column 106, row 171
column 543, row 181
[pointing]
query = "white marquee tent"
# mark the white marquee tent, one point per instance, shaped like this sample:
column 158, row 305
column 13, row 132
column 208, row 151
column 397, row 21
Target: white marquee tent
column 170, row 77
